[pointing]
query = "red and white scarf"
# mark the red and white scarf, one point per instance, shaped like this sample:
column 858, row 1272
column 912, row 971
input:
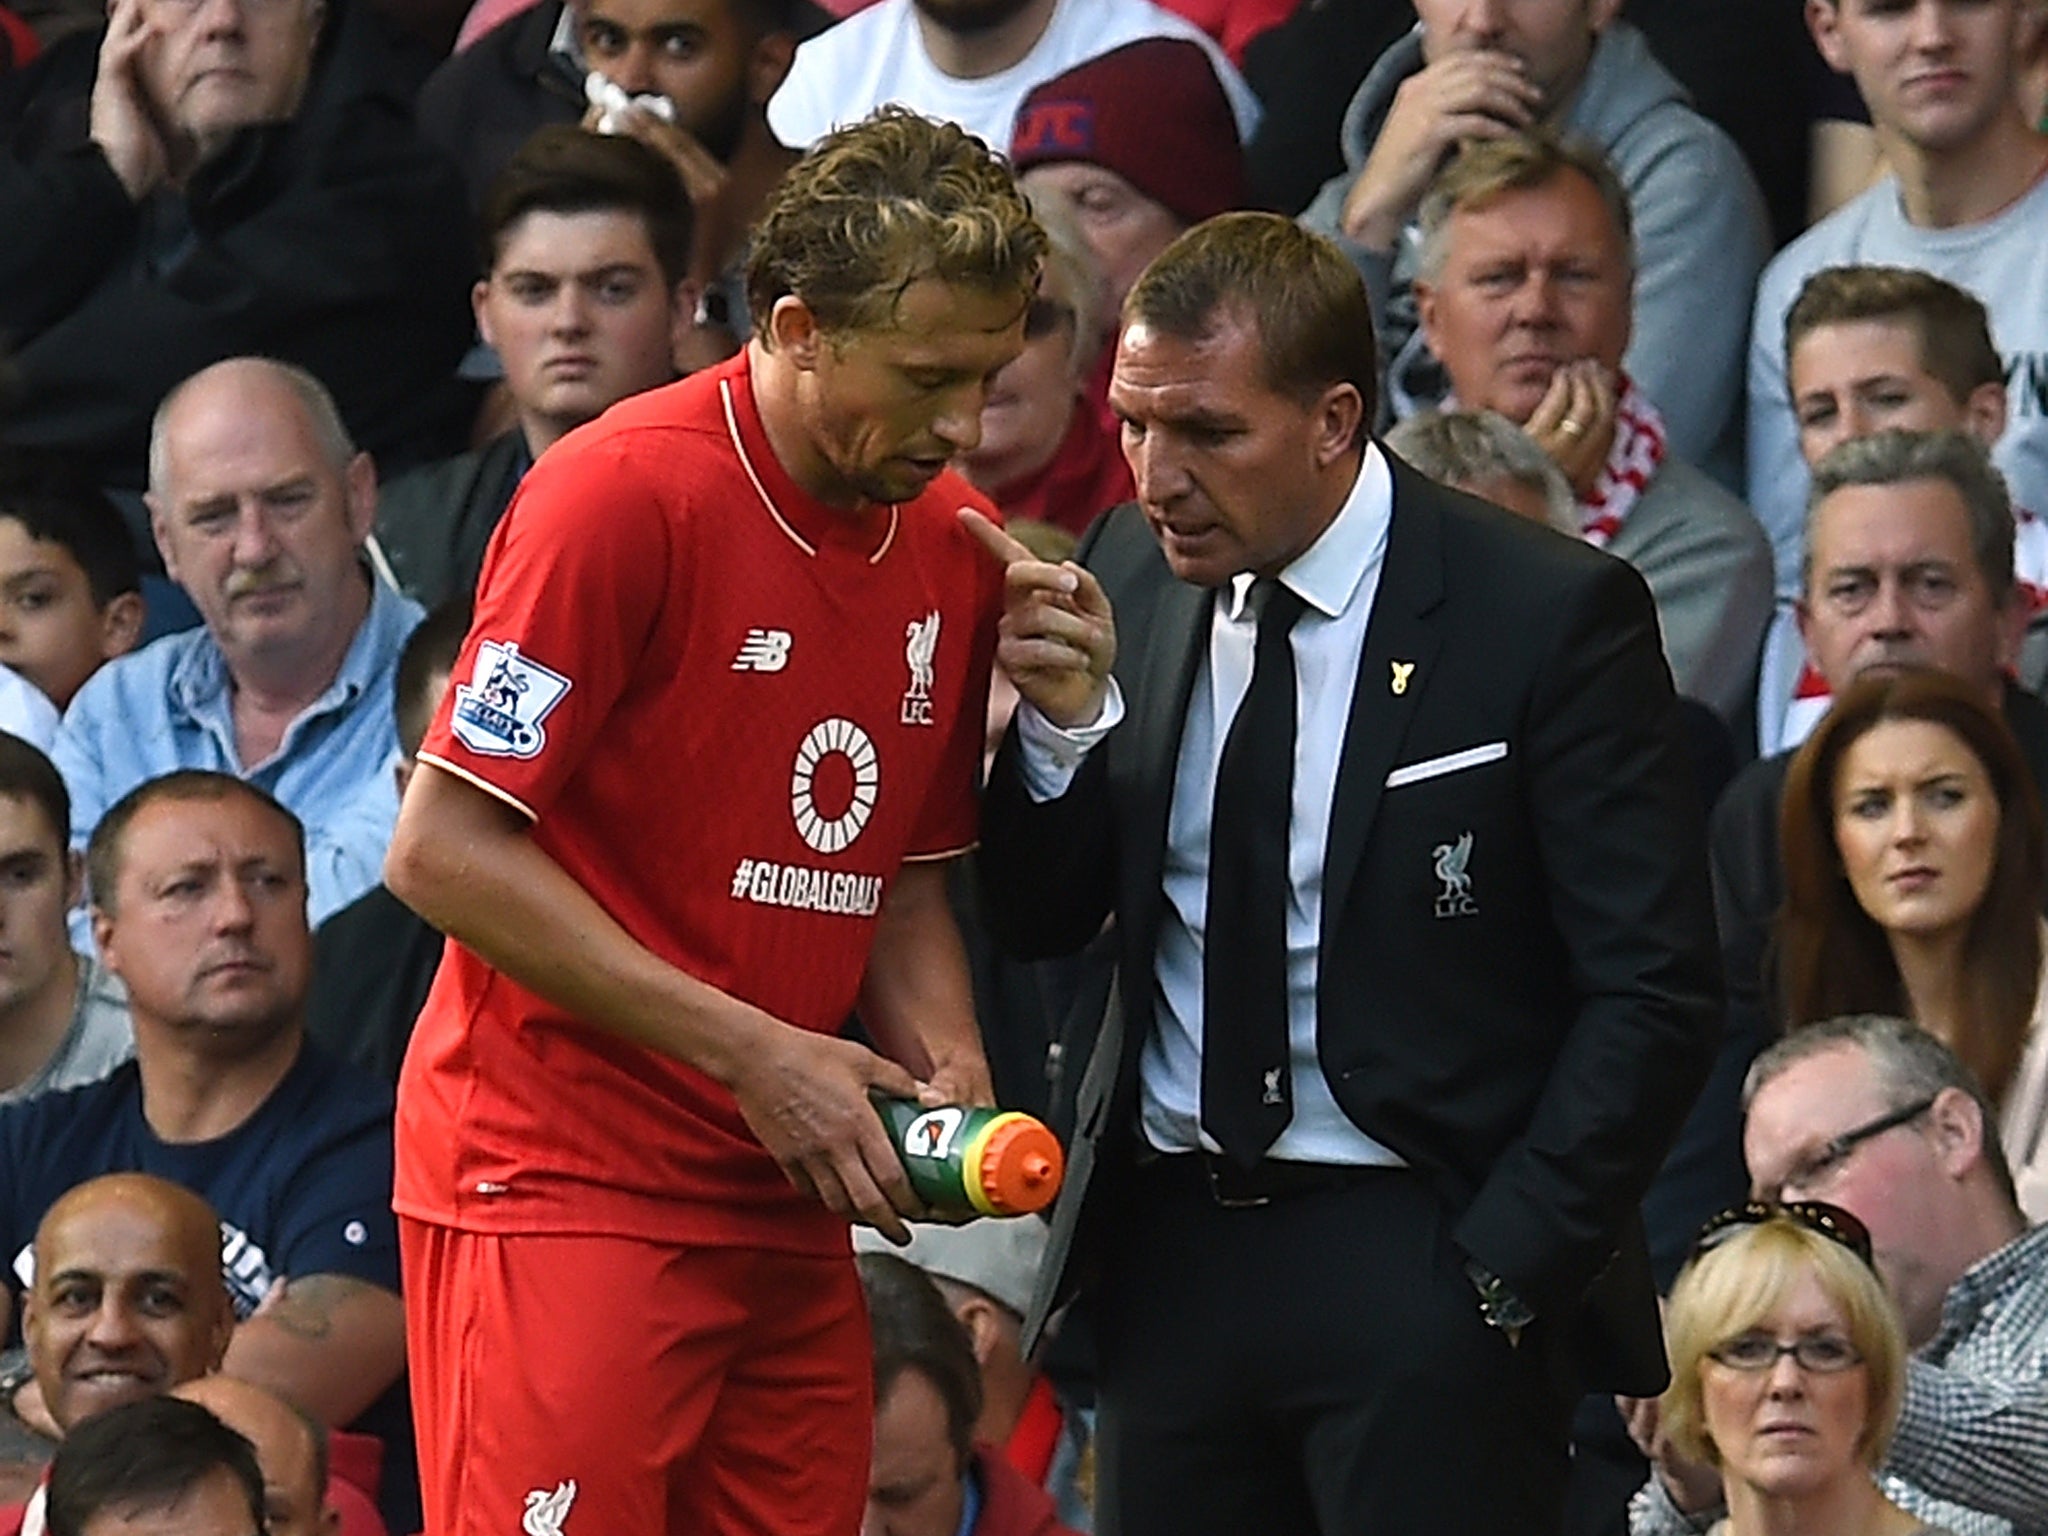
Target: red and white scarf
column 1632, row 463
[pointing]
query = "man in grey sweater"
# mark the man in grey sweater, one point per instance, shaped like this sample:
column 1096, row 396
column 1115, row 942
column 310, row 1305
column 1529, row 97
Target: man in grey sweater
column 1522, row 284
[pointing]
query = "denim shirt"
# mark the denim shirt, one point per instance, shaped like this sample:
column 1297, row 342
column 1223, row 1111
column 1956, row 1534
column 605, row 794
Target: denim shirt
column 171, row 705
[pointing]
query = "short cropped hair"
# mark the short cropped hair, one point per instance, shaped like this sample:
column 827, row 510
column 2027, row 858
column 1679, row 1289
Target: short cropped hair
column 146, row 1456
column 430, row 650
column 1735, row 1285
column 914, row 1329
column 105, row 849
column 1955, row 458
column 330, row 432
column 1952, row 327
column 26, row 774
column 1484, row 169
column 565, row 169
column 56, row 500
column 1471, row 447
column 879, row 205
column 1303, row 296
column 1910, row 1065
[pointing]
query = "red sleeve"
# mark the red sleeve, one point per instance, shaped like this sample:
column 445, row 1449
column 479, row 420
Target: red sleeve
column 571, row 586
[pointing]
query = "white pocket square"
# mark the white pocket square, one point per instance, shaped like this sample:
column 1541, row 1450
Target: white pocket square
column 1450, row 762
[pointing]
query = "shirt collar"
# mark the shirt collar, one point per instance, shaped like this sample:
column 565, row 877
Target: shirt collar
column 1327, row 574
column 201, row 675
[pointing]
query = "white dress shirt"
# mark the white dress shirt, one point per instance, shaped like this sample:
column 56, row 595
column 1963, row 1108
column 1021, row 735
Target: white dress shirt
column 1337, row 577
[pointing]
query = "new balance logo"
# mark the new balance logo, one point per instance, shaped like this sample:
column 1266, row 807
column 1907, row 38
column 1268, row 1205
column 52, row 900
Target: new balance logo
column 546, row 1511
column 764, row 650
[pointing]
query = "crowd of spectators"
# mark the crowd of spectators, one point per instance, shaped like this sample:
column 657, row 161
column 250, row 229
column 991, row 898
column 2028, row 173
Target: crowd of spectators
column 1784, row 351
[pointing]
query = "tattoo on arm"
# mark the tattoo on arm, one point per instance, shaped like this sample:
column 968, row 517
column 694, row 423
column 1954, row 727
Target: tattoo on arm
column 306, row 1308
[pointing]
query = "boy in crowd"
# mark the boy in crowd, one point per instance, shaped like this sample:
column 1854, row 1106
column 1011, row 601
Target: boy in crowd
column 70, row 585
column 1871, row 348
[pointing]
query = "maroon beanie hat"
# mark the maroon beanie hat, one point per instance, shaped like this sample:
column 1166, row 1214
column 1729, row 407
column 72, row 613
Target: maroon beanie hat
column 1153, row 112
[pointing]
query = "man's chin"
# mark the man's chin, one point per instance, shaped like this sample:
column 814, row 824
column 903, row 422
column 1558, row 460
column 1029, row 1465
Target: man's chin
column 83, row 1400
column 890, row 486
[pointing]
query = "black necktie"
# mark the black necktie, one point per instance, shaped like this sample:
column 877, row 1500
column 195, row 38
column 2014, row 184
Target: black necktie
column 1247, row 1095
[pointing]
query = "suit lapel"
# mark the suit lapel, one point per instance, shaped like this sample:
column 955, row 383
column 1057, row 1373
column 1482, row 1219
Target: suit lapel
column 1176, row 636
column 1396, row 667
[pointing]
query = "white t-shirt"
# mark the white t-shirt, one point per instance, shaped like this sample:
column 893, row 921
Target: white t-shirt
column 877, row 55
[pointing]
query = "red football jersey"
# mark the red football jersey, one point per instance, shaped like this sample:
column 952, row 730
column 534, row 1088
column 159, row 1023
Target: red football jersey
column 732, row 714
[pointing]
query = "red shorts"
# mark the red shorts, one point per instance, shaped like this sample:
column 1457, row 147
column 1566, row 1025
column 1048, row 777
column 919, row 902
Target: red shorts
column 570, row 1384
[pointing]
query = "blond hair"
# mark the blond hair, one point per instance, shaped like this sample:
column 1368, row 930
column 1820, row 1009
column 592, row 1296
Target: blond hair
column 875, row 207
column 1736, row 1285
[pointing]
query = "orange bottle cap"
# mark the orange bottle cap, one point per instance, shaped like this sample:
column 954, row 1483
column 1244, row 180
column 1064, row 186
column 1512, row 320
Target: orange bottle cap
column 1020, row 1166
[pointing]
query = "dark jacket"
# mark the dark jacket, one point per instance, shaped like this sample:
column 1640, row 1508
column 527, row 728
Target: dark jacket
column 433, row 524
column 484, row 102
column 325, row 241
column 1469, row 1047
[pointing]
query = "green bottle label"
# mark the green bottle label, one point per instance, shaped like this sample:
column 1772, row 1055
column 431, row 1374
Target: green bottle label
column 935, row 1145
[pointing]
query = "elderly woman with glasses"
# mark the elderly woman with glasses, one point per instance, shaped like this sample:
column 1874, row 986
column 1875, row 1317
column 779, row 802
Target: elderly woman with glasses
column 1787, row 1368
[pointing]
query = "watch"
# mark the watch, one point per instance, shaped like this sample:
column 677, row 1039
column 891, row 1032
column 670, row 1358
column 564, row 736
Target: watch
column 1498, row 1303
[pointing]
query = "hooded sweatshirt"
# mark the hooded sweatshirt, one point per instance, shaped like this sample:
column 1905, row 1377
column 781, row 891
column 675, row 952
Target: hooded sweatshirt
column 1701, row 238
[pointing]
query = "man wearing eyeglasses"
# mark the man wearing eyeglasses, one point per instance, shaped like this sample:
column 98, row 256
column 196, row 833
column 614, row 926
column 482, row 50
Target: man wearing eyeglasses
column 1878, row 1117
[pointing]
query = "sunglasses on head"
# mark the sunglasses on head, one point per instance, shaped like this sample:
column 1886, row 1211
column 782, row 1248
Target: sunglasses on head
column 1829, row 1221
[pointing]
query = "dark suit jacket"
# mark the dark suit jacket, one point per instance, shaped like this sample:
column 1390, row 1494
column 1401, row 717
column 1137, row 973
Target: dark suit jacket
column 1533, row 1058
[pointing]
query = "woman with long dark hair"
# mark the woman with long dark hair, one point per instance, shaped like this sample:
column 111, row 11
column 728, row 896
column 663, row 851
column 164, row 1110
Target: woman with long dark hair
column 1912, row 836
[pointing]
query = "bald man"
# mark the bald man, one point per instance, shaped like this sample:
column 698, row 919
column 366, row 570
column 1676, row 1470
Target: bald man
column 291, row 1450
column 127, row 1301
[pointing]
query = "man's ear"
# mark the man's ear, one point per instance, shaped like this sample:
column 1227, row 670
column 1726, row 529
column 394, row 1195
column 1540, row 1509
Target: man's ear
column 1984, row 413
column 1425, row 312
column 793, row 331
column 159, row 529
column 121, row 625
column 1601, row 14
column 977, row 1315
column 103, row 936
column 683, row 300
column 223, row 1330
column 1957, row 1121
column 74, row 874
column 768, row 65
column 1339, row 423
column 481, row 310
column 359, row 486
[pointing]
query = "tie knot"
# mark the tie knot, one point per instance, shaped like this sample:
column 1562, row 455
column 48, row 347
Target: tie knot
column 1275, row 605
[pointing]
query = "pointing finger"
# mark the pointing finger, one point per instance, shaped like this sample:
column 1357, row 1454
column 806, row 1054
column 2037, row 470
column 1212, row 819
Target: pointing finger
column 991, row 538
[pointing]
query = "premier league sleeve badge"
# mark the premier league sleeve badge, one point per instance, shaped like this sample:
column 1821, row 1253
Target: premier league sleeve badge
column 499, row 711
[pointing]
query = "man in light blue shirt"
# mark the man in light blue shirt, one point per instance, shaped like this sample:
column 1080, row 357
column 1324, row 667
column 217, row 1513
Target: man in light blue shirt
column 260, row 505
